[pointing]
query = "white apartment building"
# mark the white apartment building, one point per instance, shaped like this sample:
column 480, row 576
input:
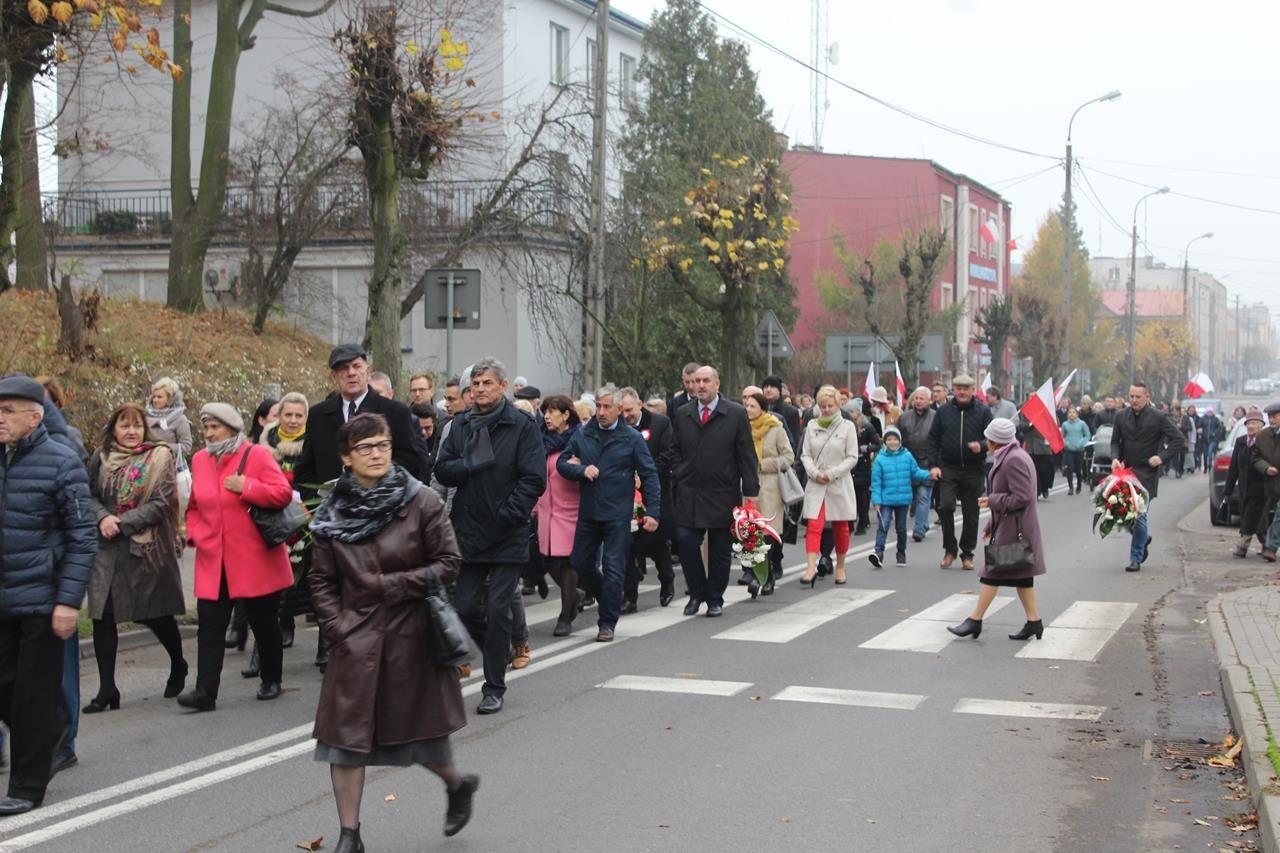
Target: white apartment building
column 113, row 208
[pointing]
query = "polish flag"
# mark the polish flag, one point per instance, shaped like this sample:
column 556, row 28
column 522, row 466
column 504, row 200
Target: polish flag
column 1039, row 409
column 986, row 383
column 989, row 231
column 873, row 379
column 1199, row 386
column 902, row 385
column 1062, row 389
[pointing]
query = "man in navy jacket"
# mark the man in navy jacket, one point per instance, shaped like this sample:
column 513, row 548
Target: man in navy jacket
column 606, row 456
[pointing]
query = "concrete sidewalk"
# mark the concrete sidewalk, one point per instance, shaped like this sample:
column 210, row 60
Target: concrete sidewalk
column 1246, row 632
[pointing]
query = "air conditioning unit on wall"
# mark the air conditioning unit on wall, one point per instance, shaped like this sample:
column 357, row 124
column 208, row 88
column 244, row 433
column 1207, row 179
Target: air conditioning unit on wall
column 221, row 276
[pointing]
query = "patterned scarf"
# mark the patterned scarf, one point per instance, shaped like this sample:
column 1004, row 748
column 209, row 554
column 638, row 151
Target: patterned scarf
column 129, row 475
column 220, row 449
column 352, row 513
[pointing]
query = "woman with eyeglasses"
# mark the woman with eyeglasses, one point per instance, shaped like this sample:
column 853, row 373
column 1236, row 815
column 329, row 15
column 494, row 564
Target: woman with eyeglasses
column 382, row 543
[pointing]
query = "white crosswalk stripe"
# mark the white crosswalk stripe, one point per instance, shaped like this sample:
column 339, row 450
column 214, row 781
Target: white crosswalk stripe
column 926, row 631
column 1080, row 632
column 697, row 686
column 1046, row 710
column 862, row 698
column 788, row 623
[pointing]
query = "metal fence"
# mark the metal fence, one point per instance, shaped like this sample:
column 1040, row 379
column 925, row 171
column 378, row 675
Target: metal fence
column 442, row 205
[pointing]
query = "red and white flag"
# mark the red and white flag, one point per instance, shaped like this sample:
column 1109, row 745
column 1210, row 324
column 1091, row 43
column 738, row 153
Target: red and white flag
column 1062, row 389
column 902, row 385
column 1039, row 409
column 1199, row 386
column 989, row 231
column 872, row 380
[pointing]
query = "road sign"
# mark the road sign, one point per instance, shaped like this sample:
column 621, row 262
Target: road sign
column 451, row 301
column 772, row 340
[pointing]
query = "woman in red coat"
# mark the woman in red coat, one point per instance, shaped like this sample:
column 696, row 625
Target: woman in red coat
column 232, row 561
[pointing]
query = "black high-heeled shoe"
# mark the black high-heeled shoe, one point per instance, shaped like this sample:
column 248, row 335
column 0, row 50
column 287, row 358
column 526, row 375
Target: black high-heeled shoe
column 1030, row 629
column 236, row 639
column 101, row 703
column 177, row 681
column 349, row 841
column 967, row 628
column 810, row 582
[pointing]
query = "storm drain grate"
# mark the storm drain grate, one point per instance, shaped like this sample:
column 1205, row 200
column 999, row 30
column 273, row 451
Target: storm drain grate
column 1184, row 750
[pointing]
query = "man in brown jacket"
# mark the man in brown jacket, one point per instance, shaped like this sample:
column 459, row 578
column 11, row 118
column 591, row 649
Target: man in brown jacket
column 1266, row 461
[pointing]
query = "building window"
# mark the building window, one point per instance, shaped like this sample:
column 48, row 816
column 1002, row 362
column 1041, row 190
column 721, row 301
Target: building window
column 627, row 75
column 974, row 239
column 1113, row 274
column 591, row 64
column 972, row 307
column 947, row 219
column 559, row 54
column 946, row 296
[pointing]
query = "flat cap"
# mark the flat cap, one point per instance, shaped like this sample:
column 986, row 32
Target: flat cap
column 963, row 379
column 223, row 412
column 343, row 353
column 23, row 387
column 1272, row 409
column 528, row 392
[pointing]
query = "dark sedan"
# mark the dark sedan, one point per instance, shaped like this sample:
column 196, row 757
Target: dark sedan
column 1218, row 477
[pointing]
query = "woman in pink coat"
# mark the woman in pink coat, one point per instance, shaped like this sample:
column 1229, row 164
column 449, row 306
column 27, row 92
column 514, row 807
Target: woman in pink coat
column 557, row 510
column 232, row 561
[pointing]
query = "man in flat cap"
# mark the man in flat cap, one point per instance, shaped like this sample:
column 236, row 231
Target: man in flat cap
column 48, row 540
column 1266, row 461
column 957, row 459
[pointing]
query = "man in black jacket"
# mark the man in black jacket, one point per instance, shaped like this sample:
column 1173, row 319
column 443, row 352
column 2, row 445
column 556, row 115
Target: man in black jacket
column 789, row 414
column 1265, row 458
column 493, row 456
column 713, row 467
column 655, row 429
column 683, row 397
column 957, row 456
column 349, row 368
column 1142, row 438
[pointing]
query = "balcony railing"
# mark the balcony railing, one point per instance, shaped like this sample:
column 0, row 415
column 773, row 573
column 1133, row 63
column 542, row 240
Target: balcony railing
column 435, row 205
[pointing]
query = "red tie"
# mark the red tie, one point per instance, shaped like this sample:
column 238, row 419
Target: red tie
column 706, row 413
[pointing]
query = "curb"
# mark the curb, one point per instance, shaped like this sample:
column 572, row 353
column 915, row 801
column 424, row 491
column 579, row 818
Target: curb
column 131, row 640
column 1250, row 727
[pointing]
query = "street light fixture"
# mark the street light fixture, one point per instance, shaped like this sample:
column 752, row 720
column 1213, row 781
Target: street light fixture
column 1066, row 231
column 1191, row 320
column 1133, row 276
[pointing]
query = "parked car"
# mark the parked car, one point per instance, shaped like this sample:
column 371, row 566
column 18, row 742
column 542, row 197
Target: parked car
column 1258, row 387
column 1100, row 468
column 1218, row 477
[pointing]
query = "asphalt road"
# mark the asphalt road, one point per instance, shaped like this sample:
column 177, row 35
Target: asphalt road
column 809, row 741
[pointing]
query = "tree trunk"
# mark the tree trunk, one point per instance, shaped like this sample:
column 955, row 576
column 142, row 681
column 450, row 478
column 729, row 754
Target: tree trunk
column 72, row 327
column 31, row 249
column 196, row 216
column 17, row 104
column 382, row 327
column 735, row 337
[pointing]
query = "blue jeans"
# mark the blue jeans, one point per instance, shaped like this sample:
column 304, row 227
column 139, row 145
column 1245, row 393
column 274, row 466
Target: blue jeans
column 602, row 572
column 923, row 500
column 897, row 515
column 1138, row 546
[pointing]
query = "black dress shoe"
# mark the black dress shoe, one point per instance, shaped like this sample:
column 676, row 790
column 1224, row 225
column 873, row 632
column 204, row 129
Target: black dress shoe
column 197, row 701
column 1029, row 630
column 767, row 589
column 667, row 595
column 746, row 577
column 967, row 628
column 63, row 762
column 101, row 703
column 563, row 628
column 458, row 812
column 714, row 610
column 254, row 667
column 604, row 635
column 236, row 639
column 15, row 805
column 1146, row 549
column 691, row 609
column 1133, row 567
column 349, row 841
column 286, row 636
column 177, row 680
column 269, row 691
column 629, row 607
column 489, row 704
column 541, row 586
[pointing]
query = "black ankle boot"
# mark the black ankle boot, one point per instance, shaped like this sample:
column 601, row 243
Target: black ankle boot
column 967, row 628
column 459, row 811
column 1035, row 628
column 349, row 841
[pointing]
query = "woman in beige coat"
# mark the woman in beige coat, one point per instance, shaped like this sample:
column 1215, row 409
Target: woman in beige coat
column 829, row 453
column 774, row 452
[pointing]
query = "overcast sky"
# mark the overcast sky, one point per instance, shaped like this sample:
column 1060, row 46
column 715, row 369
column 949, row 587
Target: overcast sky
column 1198, row 110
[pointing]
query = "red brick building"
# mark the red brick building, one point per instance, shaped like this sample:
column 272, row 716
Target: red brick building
column 865, row 199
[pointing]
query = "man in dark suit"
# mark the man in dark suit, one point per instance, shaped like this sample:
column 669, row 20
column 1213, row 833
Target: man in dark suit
column 685, row 396
column 656, row 431
column 349, row 368
column 1142, row 438
column 789, row 414
column 713, row 467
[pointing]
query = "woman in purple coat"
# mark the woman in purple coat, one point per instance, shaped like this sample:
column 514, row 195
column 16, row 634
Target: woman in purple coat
column 1011, row 495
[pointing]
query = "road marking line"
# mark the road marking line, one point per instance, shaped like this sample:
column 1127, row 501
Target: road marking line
column 696, row 686
column 862, row 698
column 1046, row 710
column 926, row 631
column 1080, row 632
column 784, row 625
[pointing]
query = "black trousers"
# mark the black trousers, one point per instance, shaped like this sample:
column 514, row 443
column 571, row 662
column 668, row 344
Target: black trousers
column 706, row 582
column 30, row 681
column 643, row 548
column 488, row 616
column 1253, row 517
column 862, row 496
column 263, row 613
column 1075, row 468
column 965, row 486
column 1044, row 473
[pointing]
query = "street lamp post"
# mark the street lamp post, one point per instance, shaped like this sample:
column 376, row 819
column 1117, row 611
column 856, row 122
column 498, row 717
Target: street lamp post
column 1187, row 317
column 1133, row 276
column 1066, row 238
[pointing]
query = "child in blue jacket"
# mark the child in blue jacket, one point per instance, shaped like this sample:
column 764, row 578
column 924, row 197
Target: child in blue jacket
column 893, row 474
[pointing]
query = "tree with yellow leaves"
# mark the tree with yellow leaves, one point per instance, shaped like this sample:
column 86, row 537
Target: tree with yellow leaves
column 1161, row 351
column 737, row 223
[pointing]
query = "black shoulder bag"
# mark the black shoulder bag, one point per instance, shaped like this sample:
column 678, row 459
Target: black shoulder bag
column 1011, row 558
column 275, row 525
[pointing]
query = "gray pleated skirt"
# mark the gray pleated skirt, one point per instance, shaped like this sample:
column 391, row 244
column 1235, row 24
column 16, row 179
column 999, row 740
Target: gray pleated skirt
column 436, row 750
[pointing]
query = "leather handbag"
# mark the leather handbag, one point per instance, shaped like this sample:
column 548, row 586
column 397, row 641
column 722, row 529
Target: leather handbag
column 1011, row 558
column 1224, row 512
column 275, row 526
column 789, row 486
column 450, row 641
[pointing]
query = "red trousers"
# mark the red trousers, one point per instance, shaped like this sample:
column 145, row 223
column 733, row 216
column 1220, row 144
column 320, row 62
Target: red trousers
column 813, row 533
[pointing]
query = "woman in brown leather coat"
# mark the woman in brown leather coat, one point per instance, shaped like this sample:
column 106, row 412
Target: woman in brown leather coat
column 381, row 542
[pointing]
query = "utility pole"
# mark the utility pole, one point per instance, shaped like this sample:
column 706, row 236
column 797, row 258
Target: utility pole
column 1186, row 280
column 1133, row 278
column 1238, row 360
column 599, row 125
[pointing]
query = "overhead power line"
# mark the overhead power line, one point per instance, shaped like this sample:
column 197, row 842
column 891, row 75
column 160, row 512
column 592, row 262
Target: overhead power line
column 1219, row 202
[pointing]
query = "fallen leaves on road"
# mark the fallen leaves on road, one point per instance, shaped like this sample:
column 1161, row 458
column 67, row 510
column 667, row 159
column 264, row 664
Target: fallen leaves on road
column 389, row 798
column 1199, row 822
column 311, row 846
column 871, row 821
column 667, row 728
column 1207, row 693
column 784, row 819
column 1100, row 778
column 756, row 698
column 1179, row 801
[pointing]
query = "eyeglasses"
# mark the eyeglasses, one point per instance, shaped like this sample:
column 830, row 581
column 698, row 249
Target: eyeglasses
column 10, row 410
column 367, row 449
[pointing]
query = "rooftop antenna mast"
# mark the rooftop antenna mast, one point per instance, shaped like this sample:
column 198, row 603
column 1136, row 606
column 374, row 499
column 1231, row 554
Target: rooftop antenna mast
column 822, row 55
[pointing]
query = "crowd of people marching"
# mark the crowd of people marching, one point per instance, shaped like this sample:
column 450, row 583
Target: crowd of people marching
column 352, row 511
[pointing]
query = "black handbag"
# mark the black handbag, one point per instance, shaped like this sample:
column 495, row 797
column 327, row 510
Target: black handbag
column 275, row 526
column 1011, row 558
column 1224, row 511
column 450, row 641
